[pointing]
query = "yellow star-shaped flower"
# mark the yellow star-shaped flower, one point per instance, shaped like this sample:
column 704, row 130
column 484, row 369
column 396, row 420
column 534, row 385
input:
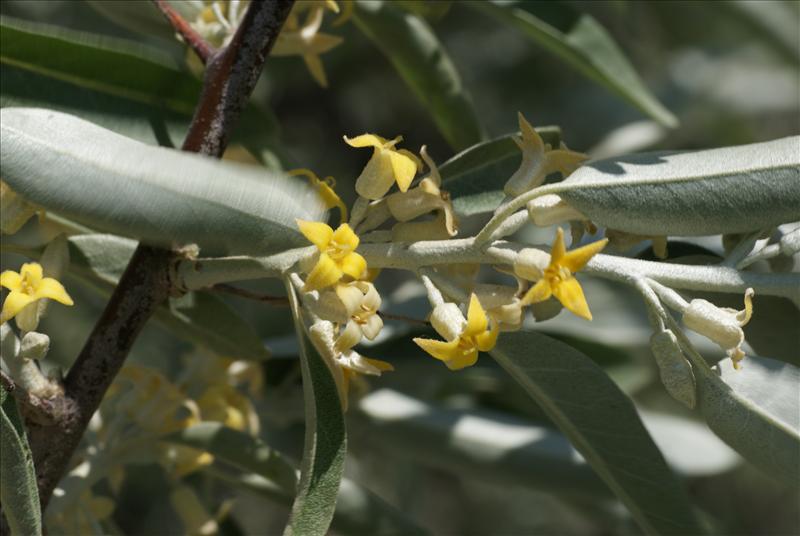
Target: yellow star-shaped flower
column 463, row 350
column 29, row 286
column 337, row 256
column 387, row 166
column 559, row 280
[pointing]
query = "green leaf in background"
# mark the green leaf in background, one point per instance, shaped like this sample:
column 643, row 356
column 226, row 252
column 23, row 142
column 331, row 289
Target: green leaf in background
column 18, row 491
column 715, row 191
column 602, row 423
column 358, row 511
column 583, row 43
column 156, row 195
column 325, row 439
column 475, row 177
column 756, row 410
column 127, row 87
column 415, row 51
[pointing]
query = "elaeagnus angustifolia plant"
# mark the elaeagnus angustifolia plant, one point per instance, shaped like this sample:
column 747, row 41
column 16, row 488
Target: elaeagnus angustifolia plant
column 599, row 327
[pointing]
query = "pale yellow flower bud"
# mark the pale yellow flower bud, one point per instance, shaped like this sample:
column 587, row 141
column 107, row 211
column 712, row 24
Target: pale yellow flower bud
column 448, row 320
column 721, row 324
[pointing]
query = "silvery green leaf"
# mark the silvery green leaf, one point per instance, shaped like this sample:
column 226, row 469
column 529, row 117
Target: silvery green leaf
column 602, row 424
column 756, row 410
column 156, row 195
column 325, row 439
column 714, row 191
column 18, row 491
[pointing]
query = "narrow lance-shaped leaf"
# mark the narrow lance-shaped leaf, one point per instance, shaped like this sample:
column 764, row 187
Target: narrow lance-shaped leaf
column 715, row 191
column 156, row 195
column 583, row 43
column 602, row 423
column 475, row 177
column 325, row 439
column 18, row 491
column 415, row 51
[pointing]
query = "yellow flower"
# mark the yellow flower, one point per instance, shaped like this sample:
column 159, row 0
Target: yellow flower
column 539, row 160
column 325, row 188
column 558, row 280
column 29, row 286
column 337, row 256
column 387, row 165
column 462, row 351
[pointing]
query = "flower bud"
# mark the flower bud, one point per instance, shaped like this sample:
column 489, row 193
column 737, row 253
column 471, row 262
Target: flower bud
column 675, row 371
column 34, row 345
column 721, row 325
column 531, row 263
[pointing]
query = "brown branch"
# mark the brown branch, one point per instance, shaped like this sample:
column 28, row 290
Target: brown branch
column 146, row 284
column 195, row 41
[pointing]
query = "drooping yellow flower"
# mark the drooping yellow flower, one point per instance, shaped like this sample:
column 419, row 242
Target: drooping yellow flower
column 325, row 187
column 539, row 160
column 337, row 256
column 558, row 277
column 462, row 350
column 387, row 166
column 27, row 287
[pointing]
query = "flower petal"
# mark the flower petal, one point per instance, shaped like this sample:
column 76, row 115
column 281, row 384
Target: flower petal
column 372, row 327
column 11, row 280
column 531, row 141
column 570, row 294
column 476, row 317
column 344, row 238
column 404, row 169
column 52, row 289
column 463, row 359
column 365, row 140
column 354, row 265
column 349, row 337
column 577, row 258
column 563, row 161
column 486, row 340
column 15, row 302
column 383, row 366
column 32, row 271
column 538, row 293
column 377, row 176
column 444, row 351
column 325, row 273
column 559, row 249
column 351, row 296
column 317, row 233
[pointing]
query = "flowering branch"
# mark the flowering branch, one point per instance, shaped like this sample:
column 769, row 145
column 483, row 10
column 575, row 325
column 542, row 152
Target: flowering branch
column 230, row 77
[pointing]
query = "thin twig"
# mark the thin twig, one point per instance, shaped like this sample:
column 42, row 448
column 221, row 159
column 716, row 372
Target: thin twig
column 195, row 41
column 283, row 301
column 229, row 79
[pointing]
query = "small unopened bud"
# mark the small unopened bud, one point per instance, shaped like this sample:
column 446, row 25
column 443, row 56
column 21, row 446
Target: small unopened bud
column 531, row 263
column 448, row 321
column 34, row 346
column 721, row 325
column 551, row 209
column 675, row 371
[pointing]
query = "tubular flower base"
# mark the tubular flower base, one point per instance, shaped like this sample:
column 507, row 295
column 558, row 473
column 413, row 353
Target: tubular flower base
column 27, row 287
column 558, row 279
column 463, row 350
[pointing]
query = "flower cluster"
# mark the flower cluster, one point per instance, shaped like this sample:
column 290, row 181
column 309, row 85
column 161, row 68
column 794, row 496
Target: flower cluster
column 217, row 21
